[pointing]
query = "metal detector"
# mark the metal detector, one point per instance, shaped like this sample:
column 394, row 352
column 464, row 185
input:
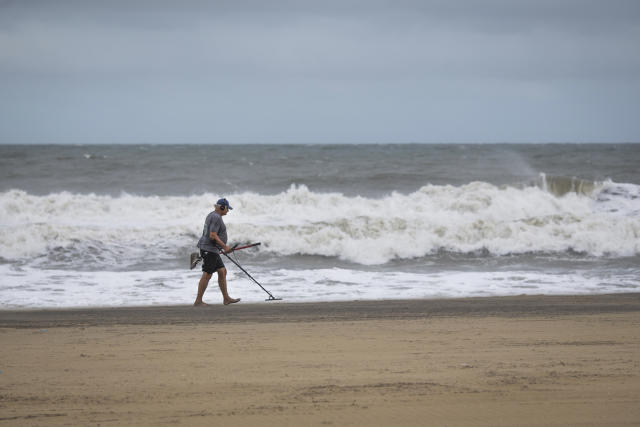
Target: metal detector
column 195, row 259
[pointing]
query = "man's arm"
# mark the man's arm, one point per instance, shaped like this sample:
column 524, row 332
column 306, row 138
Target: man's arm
column 214, row 236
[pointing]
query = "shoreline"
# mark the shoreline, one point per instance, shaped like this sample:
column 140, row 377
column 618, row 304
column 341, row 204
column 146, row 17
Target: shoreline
column 506, row 306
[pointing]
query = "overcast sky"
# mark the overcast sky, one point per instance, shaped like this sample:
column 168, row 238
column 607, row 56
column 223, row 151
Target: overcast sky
column 328, row 71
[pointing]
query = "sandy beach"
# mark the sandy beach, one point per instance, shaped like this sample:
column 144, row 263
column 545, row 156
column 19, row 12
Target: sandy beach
column 513, row 361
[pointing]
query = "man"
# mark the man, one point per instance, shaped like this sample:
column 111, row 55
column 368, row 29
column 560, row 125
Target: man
column 214, row 240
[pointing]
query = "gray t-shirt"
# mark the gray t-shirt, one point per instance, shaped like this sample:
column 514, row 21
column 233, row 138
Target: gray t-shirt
column 212, row 223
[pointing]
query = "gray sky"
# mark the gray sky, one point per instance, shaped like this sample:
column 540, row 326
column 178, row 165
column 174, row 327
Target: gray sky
column 319, row 71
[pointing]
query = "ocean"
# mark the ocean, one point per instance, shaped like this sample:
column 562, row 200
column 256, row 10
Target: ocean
column 113, row 225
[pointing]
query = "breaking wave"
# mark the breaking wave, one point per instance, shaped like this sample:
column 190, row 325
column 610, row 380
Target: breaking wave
column 552, row 215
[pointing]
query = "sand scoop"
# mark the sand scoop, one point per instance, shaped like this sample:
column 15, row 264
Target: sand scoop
column 195, row 258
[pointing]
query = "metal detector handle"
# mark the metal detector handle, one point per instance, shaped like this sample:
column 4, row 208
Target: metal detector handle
column 237, row 248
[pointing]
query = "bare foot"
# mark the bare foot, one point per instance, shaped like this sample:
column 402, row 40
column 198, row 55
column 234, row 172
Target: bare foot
column 200, row 304
column 231, row 301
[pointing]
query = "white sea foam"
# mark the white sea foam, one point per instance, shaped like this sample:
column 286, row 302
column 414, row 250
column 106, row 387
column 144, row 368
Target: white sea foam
column 26, row 287
column 462, row 219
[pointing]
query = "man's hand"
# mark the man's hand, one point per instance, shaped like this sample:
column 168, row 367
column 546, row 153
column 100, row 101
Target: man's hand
column 226, row 249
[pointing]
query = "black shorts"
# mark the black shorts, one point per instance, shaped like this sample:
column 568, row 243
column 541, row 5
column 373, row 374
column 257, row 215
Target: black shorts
column 211, row 261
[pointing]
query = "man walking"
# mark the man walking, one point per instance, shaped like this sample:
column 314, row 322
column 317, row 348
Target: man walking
column 212, row 241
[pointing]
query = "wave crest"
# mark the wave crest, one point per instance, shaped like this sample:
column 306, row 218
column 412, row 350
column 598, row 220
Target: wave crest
column 598, row 219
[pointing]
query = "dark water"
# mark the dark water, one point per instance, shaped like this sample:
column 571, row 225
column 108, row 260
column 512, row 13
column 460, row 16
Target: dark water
column 367, row 170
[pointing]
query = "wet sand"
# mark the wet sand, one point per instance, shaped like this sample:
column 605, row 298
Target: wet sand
column 513, row 361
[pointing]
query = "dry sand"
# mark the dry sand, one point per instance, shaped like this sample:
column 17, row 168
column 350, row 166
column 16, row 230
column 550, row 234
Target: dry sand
column 515, row 361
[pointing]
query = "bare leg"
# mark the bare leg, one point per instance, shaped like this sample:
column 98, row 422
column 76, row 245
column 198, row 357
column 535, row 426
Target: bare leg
column 222, row 282
column 202, row 286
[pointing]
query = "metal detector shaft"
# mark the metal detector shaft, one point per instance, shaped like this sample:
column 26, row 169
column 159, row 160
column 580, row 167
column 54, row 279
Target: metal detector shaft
column 271, row 297
column 195, row 256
